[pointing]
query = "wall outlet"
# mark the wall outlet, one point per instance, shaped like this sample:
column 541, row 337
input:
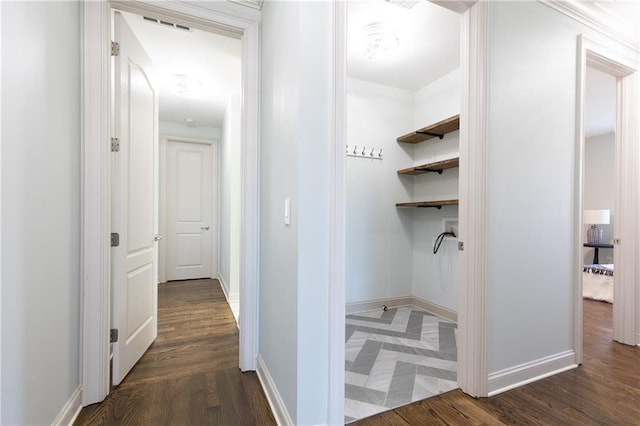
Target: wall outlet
column 450, row 224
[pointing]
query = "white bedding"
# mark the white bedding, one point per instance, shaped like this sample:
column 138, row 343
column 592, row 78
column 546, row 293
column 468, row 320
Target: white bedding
column 597, row 286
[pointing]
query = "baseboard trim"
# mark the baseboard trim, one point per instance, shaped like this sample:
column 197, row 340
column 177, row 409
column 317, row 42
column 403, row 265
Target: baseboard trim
column 273, row 396
column 370, row 305
column 513, row 377
column 435, row 309
column 233, row 300
column 223, row 284
column 397, row 302
column 71, row 409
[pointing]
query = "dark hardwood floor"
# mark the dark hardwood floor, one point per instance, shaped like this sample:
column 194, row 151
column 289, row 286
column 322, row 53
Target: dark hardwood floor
column 189, row 375
column 605, row 390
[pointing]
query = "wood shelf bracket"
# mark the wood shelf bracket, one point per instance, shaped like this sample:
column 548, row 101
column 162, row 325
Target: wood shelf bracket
column 436, row 135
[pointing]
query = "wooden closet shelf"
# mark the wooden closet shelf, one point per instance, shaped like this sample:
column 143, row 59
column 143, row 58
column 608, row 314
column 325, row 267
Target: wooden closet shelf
column 436, row 167
column 436, row 204
column 438, row 130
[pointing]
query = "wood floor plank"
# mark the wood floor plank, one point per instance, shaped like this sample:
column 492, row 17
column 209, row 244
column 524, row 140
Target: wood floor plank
column 605, row 390
column 190, row 374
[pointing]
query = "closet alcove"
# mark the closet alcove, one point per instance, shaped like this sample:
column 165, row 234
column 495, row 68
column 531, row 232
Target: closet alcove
column 401, row 296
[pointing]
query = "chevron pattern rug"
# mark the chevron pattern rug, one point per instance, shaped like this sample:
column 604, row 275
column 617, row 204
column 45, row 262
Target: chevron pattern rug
column 396, row 357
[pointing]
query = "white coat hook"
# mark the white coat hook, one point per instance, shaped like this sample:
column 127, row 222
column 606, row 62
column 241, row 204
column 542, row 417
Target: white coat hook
column 362, row 152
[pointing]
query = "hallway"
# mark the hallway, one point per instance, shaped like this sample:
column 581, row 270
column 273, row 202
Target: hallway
column 190, row 374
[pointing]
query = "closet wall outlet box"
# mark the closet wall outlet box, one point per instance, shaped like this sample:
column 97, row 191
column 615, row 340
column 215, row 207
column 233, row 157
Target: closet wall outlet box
column 449, row 224
column 287, row 211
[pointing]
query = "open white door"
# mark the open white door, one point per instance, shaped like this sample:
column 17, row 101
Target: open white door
column 190, row 227
column 134, row 203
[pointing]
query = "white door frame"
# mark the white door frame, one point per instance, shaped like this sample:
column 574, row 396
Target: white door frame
column 615, row 59
column 0, row 216
column 220, row 16
column 215, row 219
column 473, row 374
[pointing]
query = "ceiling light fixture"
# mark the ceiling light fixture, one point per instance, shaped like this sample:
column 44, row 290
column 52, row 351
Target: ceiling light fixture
column 187, row 86
column 380, row 39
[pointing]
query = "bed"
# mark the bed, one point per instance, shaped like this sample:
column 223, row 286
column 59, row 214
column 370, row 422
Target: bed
column 597, row 282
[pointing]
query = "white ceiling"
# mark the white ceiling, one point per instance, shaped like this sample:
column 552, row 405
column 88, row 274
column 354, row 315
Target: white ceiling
column 429, row 48
column 212, row 61
column 429, row 40
column 429, row 43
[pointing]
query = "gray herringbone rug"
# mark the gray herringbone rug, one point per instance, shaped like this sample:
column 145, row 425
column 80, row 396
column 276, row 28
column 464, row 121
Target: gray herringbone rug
column 396, row 357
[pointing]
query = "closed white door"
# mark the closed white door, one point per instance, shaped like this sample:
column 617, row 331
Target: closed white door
column 190, row 230
column 134, row 203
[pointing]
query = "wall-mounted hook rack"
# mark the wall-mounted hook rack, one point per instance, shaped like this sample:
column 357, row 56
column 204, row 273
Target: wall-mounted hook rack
column 364, row 152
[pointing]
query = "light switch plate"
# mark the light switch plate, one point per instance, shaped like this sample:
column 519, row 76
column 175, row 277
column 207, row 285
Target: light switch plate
column 287, row 211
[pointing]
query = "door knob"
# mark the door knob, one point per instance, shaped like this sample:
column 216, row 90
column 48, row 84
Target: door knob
column 205, row 228
column 157, row 237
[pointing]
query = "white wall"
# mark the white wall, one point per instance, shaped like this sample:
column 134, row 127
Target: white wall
column 199, row 132
column 296, row 135
column 230, row 174
column 599, row 187
column 435, row 276
column 437, row 100
column 379, row 236
column 40, row 209
column 389, row 250
column 278, row 297
column 531, row 154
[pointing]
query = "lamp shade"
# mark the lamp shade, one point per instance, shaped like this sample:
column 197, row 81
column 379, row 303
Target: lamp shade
column 596, row 217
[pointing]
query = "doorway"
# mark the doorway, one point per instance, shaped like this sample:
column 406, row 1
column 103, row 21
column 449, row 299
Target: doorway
column 188, row 220
column 244, row 25
column 194, row 75
column 607, row 61
column 402, row 175
column 599, row 207
column 197, row 73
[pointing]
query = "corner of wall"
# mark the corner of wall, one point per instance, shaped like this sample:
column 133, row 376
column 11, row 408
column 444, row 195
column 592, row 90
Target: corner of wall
column 70, row 410
column 519, row 375
column 276, row 402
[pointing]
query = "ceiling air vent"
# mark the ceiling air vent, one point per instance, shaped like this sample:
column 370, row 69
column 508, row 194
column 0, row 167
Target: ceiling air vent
column 407, row 4
column 166, row 23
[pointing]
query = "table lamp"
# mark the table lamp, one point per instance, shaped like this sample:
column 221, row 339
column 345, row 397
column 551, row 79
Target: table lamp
column 595, row 218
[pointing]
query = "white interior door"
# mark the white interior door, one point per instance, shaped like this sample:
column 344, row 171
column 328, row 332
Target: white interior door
column 190, row 230
column 134, row 203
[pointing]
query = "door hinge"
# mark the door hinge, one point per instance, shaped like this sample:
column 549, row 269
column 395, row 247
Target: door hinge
column 115, row 145
column 461, row 245
column 113, row 336
column 115, row 239
column 115, row 48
